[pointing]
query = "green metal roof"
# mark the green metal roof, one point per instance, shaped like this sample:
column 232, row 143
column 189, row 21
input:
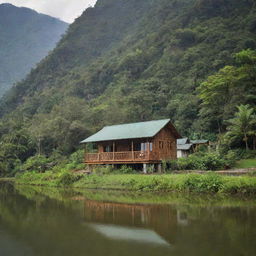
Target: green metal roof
column 199, row 141
column 129, row 131
column 184, row 146
column 182, row 141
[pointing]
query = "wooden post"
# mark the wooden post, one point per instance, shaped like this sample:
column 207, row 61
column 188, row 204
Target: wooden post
column 132, row 151
column 148, row 150
column 145, row 171
column 159, row 168
column 85, row 151
column 113, row 150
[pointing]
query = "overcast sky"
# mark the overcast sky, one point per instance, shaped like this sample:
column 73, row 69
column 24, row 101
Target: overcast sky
column 66, row 10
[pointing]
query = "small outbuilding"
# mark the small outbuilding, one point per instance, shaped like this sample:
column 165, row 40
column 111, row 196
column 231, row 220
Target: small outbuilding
column 136, row 143
column 185, row 146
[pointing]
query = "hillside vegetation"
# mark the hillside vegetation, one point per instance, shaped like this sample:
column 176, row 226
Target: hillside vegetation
column 25, row 38
column 125, row 61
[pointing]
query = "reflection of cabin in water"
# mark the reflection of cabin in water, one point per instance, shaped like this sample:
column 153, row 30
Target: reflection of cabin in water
column 105, row 215
column 136, row 143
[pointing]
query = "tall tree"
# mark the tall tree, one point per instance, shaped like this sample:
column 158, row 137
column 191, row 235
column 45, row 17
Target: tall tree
column 242, row 126
column 229, row 87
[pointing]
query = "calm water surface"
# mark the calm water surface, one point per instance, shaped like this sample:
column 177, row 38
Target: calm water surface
column 65, row 223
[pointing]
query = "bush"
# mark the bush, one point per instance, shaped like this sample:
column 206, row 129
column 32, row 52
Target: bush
column 212, row 161
column 38, row 163
column 203, row 183
column 68, row 178
column 230, row 159
column 198, row 161
column 77, row 157
column 75, row 161
column 240, row 153
column 125, row 170
column 102, row 170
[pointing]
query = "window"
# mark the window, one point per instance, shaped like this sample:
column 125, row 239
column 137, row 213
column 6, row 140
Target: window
column 143, row 146
column 161, row 144
column 150, row 146
column 108, row 148
column 137, row 147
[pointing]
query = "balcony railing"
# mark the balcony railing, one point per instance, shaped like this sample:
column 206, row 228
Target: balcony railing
column 128, row 156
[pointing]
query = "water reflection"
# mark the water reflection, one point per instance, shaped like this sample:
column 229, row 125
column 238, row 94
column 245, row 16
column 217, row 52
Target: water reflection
column 36, row 223
column 156, row 222
column 131, row 234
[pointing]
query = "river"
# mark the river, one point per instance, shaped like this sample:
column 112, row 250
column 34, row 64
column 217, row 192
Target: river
column 44, row 221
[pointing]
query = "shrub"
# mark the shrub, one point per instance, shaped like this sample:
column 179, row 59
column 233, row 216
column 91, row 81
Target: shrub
column 172, row 165
column 203, row 183
column 38, row 163
column 75, row 161
column 230, row 159
column 240, row 153
column 198, row 161
column 212, row 161
column 68, row 178
column 77, row 157
column 102, row 170
column 125, row 170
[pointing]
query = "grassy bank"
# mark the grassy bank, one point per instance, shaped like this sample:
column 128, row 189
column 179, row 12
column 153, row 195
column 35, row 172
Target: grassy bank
column 7, row 179
column 246, row 163
column 207, row 183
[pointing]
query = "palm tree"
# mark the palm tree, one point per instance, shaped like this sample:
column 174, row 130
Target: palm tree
column 242, row 126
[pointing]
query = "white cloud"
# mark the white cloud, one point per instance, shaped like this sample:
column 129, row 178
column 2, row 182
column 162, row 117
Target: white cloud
column 66, row 10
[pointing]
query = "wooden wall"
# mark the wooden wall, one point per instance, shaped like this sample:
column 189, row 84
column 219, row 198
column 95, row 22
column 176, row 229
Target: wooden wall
column 164, row 144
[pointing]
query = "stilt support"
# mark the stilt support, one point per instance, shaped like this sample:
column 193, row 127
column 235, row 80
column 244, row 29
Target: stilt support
column 145, row 167
column 159, row 168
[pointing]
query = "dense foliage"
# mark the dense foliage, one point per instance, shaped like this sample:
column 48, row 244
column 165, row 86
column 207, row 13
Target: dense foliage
column 25, row 38
column 125, row 61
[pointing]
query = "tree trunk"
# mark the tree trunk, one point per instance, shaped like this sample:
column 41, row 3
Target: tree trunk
column 39, row 146
column 246, row 141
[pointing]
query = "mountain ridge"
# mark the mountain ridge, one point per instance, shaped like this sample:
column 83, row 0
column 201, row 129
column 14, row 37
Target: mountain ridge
column 29, row 10
column 26, row 37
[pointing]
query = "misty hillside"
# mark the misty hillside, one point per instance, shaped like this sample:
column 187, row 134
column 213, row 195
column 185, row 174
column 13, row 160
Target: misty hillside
column 125, row 61
column 25, row 38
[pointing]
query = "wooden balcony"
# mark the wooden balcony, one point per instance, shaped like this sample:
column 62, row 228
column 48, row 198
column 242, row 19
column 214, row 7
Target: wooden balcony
column 127, row 157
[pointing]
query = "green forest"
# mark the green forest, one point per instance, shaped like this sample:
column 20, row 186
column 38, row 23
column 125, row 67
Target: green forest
column 193, row 61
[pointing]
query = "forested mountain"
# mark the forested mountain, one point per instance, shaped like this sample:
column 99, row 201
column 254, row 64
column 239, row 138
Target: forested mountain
column 125, row 61
column 25, row 38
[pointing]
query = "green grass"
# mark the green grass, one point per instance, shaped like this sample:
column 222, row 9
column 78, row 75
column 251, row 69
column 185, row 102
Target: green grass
column 210, row 183
column 246, row 163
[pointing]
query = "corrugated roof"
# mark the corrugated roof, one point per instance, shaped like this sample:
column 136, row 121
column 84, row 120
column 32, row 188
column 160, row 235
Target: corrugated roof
column 182, row 141
column 129, row 131
column 184, row 147
column 199, row 141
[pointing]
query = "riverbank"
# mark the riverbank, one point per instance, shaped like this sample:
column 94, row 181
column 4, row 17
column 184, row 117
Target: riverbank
column 7, row 179
column 189, row 183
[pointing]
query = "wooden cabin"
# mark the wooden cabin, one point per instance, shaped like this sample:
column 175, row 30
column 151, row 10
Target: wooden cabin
column 136, row 143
